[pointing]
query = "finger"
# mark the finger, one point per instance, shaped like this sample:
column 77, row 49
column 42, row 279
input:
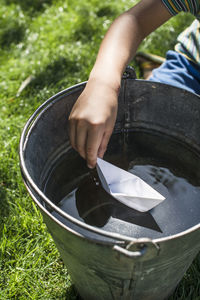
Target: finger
column 104, row 144
column 72, row 132
column 81, row 137
column 93, row 141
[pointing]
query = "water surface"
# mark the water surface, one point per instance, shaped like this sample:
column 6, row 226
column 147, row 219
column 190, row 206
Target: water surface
column 168, row 165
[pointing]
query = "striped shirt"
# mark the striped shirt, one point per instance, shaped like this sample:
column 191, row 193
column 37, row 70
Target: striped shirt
column 189, row 40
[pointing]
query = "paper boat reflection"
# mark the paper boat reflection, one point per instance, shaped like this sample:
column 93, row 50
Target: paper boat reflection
column 127, row 188
column 96, row 207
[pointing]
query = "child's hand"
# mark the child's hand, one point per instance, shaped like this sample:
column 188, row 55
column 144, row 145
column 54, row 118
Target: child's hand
column 92, row 120
column 93, row 116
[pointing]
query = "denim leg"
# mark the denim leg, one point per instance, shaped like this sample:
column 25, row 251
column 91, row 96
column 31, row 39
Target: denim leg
column 178, row 71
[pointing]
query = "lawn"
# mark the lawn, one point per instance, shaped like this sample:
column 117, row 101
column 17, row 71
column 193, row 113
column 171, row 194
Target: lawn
column 53, row 44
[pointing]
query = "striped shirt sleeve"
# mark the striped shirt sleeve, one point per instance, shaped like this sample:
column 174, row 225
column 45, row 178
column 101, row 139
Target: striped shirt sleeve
column 176, row 6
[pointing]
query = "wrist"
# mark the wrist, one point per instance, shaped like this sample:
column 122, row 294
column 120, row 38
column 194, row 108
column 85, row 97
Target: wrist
column 105, row 79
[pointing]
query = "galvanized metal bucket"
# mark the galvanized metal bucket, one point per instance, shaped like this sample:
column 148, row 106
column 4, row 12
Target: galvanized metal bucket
column 109, row 265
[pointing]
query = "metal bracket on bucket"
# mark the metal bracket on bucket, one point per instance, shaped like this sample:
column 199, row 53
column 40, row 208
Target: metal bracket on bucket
column 129, row 73
column 140, row 248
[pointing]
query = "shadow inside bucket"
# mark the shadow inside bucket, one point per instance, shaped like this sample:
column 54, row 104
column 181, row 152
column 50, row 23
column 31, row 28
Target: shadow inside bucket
column 97, row 210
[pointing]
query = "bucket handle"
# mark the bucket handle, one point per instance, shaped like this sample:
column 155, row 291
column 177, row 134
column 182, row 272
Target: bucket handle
column 141, row 245
column 130, row 254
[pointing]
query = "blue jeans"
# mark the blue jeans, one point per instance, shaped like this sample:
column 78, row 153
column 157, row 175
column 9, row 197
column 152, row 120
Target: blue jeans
column 178, row 71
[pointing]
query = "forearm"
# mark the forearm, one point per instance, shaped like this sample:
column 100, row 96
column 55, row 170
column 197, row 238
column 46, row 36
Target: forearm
column 117, row 49
column 93, row 116
column 123, row 38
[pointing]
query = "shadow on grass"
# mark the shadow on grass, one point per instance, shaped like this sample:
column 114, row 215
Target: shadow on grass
column 12, row 33
column 85, row 31
column 107, row 10
column 31, row 6
column 86, row 27
column 72, row 294
column 53, row 73
column 189, row 288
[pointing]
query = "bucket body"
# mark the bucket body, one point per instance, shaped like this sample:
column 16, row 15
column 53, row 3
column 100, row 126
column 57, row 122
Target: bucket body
column 103, row 271
column 108, row 265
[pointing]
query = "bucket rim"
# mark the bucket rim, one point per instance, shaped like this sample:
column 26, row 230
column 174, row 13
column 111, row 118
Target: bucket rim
column 30, row 184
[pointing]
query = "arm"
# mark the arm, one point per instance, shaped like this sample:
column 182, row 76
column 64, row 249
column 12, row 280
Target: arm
column 93, row 116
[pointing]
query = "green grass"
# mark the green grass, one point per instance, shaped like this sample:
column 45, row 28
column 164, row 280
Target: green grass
column 56, row 43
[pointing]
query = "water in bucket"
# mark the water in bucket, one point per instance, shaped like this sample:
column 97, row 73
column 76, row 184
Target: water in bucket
column 165, row 163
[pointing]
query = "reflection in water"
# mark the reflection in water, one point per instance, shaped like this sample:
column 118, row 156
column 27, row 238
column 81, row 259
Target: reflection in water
column 166, row 164
column 95, row 206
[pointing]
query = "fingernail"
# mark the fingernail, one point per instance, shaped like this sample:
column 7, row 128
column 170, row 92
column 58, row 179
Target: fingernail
column 90, row 167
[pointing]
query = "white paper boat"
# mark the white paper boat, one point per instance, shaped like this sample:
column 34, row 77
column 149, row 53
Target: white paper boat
column 127, row 188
